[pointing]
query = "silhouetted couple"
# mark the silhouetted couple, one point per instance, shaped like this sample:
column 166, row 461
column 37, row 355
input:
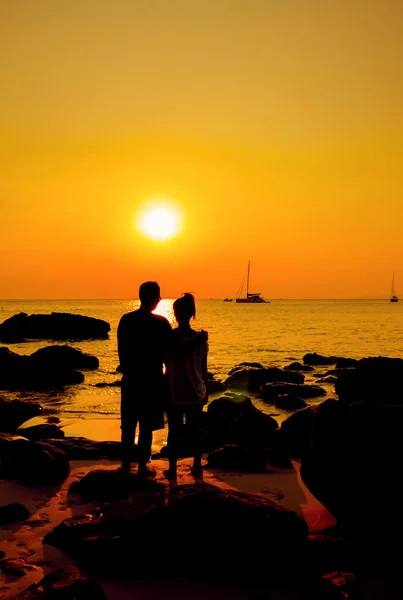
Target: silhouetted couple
column 147, row 342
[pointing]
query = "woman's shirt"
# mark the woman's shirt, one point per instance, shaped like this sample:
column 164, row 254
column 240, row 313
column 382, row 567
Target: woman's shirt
column 185, row 371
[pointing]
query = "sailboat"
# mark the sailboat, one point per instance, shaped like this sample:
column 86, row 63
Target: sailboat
column 251, row 298
column 393, row 298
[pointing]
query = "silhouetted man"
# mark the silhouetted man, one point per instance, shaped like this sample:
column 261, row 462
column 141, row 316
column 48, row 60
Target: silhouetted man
column 144, row 341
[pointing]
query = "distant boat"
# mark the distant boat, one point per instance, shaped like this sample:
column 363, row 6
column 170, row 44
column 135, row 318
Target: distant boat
column 250, row 298
column 393, row 298
column 227, row 299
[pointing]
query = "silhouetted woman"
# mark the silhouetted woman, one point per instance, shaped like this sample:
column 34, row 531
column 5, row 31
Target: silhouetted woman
column 187, row 372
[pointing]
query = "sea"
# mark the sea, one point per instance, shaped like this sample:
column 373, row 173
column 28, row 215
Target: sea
column 272, row 334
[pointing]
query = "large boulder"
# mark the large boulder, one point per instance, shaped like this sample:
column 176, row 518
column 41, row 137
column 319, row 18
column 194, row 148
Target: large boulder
column 65, row 584
column 64, row 356
column 377, row 379
column 43, row 431
column 54, row 326
column 243, row 535
column 11, row 513
column 252, row 378
column 237, row 458
column 15, row 412
column 43, row 369
column 352, row 468
column 296, row 366
column 223, row 410
column 79, row 448
column 289, row 401
column 271, row 391
column 296, row 432
column 318, row 359
column 33, row 462
column 107, row 484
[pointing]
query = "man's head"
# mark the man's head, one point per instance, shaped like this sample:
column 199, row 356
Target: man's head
column 149, row 294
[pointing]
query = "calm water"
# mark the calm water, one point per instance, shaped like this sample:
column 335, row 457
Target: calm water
column 272, row 334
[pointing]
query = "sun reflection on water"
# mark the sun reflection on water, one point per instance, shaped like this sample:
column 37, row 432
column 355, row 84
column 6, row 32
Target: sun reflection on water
column 165, row 309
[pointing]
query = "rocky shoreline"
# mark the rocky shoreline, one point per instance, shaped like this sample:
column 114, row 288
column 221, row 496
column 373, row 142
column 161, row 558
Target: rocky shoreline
column 347, row 446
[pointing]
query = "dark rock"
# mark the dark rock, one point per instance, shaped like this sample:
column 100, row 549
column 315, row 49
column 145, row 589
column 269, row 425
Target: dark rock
column 252, row 378
column 2, row 554
column 33, row 462
column 120, row 538
column 336, row 585
column 102, row 384
column 15, row 412
column 327, row 553
column 17, row 567
column 289, row 402
column 296, row 366
column 250, row 429
column 44, row 431
column 327, row 379
column 297, row 430
column 65, row 584
column 318, row 359
column 272, row 390
column 54, row 326
column 21, row 372
column 346, row 363
column 357, row 449
column 79, row 448
column 112, row 485
column 256, row 365
column 11, row 513
column 214, row 386
column 66, row 357
column 223, row 410
column 236, row 458
column 376, row 379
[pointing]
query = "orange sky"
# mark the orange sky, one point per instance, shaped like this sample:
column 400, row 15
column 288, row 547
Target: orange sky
column 275, row 127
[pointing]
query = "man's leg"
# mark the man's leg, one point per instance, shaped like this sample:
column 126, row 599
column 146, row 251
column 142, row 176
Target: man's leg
column 175, row 431
column 128, row 435
column 144, row 446
column 193, row 416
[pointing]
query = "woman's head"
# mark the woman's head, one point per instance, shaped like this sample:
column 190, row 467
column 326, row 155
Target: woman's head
column 184, row 308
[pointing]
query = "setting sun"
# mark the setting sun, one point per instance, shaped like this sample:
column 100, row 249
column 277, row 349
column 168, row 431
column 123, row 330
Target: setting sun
column 158, row 221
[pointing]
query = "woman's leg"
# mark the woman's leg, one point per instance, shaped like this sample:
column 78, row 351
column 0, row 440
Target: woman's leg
column 128, row 435
column 175, row 428
column 144, row 446
column 193, row 422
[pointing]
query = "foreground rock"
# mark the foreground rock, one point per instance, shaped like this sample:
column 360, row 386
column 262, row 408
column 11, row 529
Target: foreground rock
column 251, row 378
column 51, row 367
column 242, row 535
column 43, row 431
column 105, row 484
column 54, row 326
column 357, row 451
column 65, row 584
column 272, row 390
column 296, row 432
column 14, row 413
column 79, row 448
column 11, row 513
column 33, row 462
column 233, row 419
column 64, row 356
column 317, row 359
column 376, row 379
column 246, row 460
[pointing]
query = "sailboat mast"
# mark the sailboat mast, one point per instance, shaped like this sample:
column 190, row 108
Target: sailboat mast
column 393, row 285
column 247, row 281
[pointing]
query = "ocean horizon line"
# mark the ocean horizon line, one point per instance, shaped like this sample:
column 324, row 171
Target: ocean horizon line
column 173, row 298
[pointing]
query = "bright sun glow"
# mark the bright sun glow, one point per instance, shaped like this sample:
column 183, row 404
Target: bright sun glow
column 159, row 222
